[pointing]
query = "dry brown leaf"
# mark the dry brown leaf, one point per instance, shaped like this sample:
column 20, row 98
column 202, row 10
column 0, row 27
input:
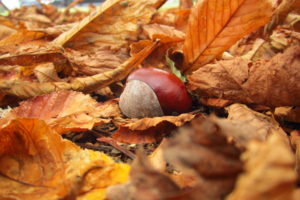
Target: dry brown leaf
column 46, row 72
column 204, row 151
column 186, row 3
column 216, row 25
column 36, row 163
column 56, row 30
column 96, row 60
column 25, row 89
column 10, row 43
column 271, row 83
column 269, row 172
column 262, row 125
column 148, row 136
column 295, row 143
column 145, row 123
column 6, row 31
column 164, row 33
column 65, row 111
column 100, row 42
column 282, row 10
column 119, row 18
column 175, row 17
column 157, row 58
column 145, row 183
column 288, row 114
column 156, row 158
column 148, row 130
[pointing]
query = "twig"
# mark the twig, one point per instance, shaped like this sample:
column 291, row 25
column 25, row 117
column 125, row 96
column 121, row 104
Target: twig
column 113, row 143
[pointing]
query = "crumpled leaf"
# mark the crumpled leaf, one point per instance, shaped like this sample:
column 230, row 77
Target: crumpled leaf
column 119, row 18
column 25, row 89
column 65, row 111
column 288, row 114
column 145, row 123
column 36, row 163
column 145, row 183
column 164, row 33
column 215, row 25
column 282, row 10
column 14, row 41
column 201, row 151
column 271, row 83
column 46, row 72
column 269, row 172
column 262, row 125
column 104, row 36
column 148, row 130
column 205, row 151
column 6, row 31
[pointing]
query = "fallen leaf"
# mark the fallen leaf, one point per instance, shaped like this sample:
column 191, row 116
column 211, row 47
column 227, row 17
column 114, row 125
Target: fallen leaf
column 147, row 130
column 12, row 42
column 271, row 83
column 295, row 143
column 104, row 36
column 205, row 152
column 119, row 18
column 148, row 136
column 46, row 72
column 262, row 125
column 282, row 10
column 288, row 114
column 145, row 183
column 6, row 31
column 25, row 89
column 65, row 111
column 36, row 163
column 266, row 177
column 145, row 123
column 164, row 33
column 186, row 3
column 216, row 25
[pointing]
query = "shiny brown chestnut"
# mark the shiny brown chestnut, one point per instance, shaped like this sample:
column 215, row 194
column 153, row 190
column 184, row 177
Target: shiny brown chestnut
column 152, row 92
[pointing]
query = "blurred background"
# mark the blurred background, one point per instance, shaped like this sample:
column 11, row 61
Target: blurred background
column 13, row 4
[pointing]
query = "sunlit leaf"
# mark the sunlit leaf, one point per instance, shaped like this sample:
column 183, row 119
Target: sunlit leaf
column 215, row 25
column 36, row 163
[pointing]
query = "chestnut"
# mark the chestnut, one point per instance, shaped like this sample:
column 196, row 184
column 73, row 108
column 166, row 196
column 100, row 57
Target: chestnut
column 151, row 92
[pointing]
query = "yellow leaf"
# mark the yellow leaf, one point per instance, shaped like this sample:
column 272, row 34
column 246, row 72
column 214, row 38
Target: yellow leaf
column 36, row 163
column 215, row 25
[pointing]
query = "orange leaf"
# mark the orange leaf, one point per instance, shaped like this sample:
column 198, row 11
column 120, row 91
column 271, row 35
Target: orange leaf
column 26, row 89
column 215, row 25
column 36, row 163
column 148, row 130
column 66, row 110
column 164, row 33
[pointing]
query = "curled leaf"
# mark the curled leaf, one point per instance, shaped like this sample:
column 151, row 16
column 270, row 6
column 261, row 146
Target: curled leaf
column 36, row 163
column 272, row 83
column 255, row 182
column 148, row 130
column 25, row 89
